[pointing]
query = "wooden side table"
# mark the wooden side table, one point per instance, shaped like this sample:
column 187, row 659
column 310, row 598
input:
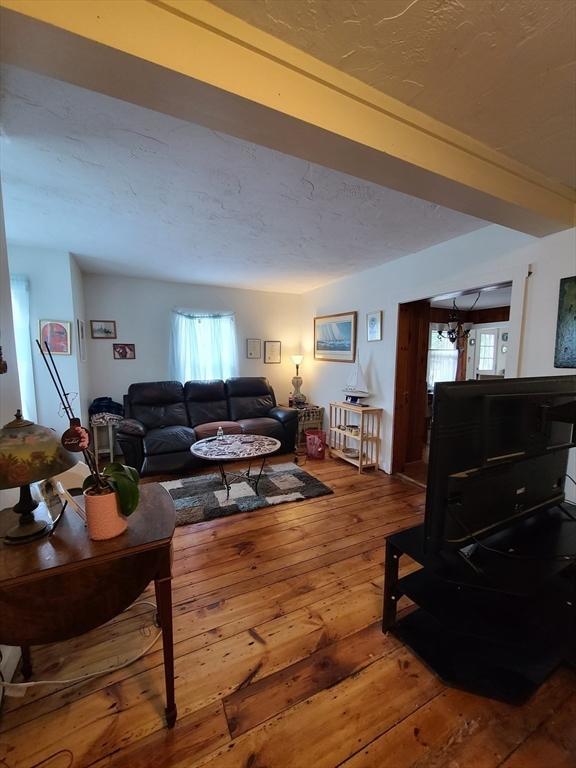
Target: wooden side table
column 61, row 586
column 309, row 417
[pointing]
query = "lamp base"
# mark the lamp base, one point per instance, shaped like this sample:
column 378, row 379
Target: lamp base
column 29, row 527
column 27, row 530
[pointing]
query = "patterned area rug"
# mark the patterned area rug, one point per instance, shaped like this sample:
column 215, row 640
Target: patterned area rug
column 204, row 498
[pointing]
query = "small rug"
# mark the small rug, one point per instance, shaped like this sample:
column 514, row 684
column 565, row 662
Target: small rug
column 204, row 497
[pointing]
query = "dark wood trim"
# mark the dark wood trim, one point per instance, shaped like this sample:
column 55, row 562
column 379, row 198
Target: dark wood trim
column 477, row 316
column 410, row 392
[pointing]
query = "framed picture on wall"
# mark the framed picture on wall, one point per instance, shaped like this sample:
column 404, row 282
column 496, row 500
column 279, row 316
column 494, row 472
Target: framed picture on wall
column 272, row 352
column 57, row 334
column 253, row 349
column 565, row 350
column 335, row 337
column 374, row 325
column 124, row 351
column 103, row 329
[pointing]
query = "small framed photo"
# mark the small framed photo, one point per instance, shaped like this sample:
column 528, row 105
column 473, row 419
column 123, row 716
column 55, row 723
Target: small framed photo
column 81, row 339
column 57, row 334
column 272, row 352
column 505, row 336
column 253, row 349
column 103, row 329
column 374, row 325
column 124, row 351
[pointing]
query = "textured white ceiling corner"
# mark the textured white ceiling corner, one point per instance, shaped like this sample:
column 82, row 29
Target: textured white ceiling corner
column 503, row 71
column 135, row 192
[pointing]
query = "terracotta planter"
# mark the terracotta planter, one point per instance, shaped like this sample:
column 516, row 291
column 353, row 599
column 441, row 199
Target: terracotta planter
column 103, row 516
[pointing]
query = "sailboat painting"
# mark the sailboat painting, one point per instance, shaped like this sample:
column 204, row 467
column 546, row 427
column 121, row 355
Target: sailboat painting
column 335, row 337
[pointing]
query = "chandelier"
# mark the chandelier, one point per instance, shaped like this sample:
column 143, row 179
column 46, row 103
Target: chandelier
column 455, row 330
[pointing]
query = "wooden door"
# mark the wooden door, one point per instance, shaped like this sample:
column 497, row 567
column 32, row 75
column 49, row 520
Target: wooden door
column 410, row 402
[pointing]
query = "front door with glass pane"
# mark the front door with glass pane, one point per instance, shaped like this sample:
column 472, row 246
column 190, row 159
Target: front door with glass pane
column 486, row 350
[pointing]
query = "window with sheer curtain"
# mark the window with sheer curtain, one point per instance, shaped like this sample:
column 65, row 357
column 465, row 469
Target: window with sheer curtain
column 202, row 346
column 20, row 293
column 442, row 359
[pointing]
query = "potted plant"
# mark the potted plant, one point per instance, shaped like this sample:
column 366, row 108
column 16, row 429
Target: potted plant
column 111, row 495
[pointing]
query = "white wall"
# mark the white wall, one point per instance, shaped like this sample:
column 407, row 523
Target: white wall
column 141, row 309
column 51, row 298
column 491, row 255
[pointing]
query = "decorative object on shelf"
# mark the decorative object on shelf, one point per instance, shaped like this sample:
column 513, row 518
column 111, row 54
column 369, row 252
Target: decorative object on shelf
column 57, row 334
column 124, row 351
column 103, row 329
column 355, row 434
column 298, row 398
column 565, row 351
column 272, row 352
column 505, row 336
column 374, row 325
column 456, row 331
column 28, row 453
column 81, row 339
column 504, row 349
column 355, row 389
column 335, row 337
column 253, row 349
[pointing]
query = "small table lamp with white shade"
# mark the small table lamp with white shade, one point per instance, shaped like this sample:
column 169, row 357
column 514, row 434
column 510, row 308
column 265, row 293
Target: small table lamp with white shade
column 297, row 397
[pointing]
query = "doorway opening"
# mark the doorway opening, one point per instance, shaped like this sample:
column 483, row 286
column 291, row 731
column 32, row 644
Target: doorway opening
column 451, row 337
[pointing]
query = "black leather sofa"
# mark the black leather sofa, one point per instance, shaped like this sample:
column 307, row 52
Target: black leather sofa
column 164, row 418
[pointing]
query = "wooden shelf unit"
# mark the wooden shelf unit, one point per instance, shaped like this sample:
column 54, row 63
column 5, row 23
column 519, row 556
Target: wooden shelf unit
column 366, row 442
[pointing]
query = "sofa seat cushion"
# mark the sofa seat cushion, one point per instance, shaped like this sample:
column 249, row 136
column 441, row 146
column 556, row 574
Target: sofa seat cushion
column 262, row 426
column 211, row 428
column 168, row 440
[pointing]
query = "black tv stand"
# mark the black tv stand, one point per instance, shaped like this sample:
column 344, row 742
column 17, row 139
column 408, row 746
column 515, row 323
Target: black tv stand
column 500, row 627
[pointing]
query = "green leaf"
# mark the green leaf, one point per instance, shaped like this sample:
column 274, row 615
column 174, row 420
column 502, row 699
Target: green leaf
column 128, row 493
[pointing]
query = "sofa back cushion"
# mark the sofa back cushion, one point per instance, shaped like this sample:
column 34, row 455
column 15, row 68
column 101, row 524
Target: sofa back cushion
column 158, row 404
column 206, row 401
column 249, row 397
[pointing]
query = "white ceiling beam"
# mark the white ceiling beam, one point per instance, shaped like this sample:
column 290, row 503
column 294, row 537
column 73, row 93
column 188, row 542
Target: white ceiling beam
column 191, row 60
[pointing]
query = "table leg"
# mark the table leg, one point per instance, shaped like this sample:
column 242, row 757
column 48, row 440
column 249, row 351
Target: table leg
column 111, row 440
column 390, row 586
column 224, row 480
column 26, row 662
column 163, row 587
column 259, row 475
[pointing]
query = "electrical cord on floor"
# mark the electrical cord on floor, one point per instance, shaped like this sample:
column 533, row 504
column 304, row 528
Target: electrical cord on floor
column 19, row 689
column 502, row 553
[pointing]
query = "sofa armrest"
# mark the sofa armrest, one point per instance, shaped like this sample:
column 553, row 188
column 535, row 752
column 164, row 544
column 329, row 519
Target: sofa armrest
column 132, row 427
column 283, row 415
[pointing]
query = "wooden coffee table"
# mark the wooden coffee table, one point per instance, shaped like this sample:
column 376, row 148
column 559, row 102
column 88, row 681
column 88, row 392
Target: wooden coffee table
column 231, row 448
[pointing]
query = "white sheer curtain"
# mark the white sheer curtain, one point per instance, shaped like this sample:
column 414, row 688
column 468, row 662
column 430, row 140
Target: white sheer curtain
column 442, row 359
column 20, row 291
column 202, row 346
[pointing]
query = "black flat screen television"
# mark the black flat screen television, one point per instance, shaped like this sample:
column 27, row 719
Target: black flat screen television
column 498, row 454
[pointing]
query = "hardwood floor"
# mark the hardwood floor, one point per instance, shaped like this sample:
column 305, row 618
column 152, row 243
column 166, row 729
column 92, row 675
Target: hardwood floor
column 280, row 660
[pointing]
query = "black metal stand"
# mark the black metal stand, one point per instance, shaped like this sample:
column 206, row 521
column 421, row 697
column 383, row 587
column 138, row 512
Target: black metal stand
column 253, row 481
column 500, row 627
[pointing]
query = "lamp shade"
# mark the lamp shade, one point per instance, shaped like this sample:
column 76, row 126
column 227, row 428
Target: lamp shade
column 297, row 359
column 29, row 452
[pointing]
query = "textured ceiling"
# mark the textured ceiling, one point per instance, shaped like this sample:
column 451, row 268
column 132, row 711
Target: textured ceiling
column 131, row 191
column 502, row 71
